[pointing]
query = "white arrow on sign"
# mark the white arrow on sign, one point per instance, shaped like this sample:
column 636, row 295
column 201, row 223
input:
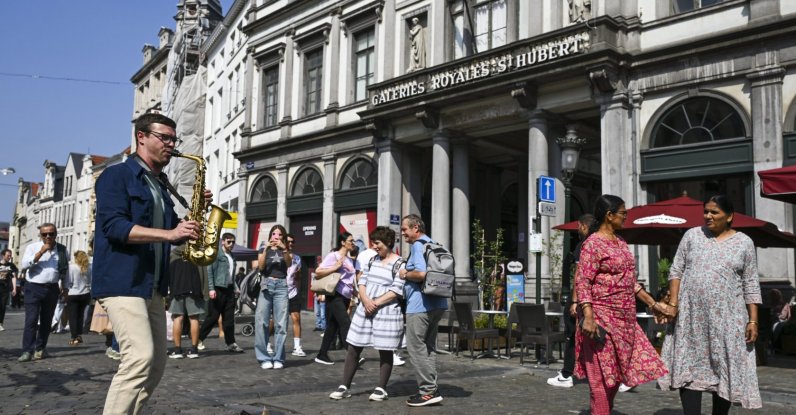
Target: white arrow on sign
column 547, row 189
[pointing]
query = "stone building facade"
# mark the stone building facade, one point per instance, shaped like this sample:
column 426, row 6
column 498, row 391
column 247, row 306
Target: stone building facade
column 452, row 110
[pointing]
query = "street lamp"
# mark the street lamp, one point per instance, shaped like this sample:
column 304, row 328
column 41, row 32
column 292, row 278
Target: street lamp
column 7, row 170
column 570, row 151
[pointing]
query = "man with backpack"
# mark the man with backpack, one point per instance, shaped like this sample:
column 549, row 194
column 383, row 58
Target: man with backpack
column 423, row 313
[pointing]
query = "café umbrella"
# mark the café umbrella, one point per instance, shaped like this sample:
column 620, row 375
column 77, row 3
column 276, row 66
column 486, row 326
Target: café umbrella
column 665, row 222
column 779, row 184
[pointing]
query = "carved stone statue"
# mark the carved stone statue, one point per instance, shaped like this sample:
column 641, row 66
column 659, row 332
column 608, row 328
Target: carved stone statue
column 579, row 10
column 417, row 46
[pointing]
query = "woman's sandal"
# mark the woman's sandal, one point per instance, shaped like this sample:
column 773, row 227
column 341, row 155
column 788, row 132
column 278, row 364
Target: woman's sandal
column 74, row 342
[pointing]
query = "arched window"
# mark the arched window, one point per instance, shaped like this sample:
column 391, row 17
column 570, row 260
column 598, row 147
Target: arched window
column 697, row 120
column 264, row 190
column 360, row 173
column 309, row 181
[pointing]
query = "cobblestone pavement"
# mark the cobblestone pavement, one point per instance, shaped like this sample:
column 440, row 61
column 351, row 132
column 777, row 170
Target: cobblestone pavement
column 75, row 380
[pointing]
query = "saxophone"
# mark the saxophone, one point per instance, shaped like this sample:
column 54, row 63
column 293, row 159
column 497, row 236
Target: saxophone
column 204, row 250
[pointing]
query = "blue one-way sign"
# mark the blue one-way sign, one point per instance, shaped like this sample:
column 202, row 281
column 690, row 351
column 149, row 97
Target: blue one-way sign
column 546, row 187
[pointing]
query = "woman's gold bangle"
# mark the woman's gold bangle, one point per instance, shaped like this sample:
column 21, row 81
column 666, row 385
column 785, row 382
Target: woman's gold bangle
column 752, row 322
column 671, row 305
column 585, row 304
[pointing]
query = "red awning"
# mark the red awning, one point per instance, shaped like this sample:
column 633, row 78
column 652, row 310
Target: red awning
column 779, row 184
column 665, row 222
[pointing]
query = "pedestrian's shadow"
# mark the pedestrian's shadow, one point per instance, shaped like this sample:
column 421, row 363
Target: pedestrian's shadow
column 409, row 387
column 665, row 411
column 51, row 381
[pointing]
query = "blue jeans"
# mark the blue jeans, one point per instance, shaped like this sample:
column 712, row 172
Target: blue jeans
column 320, row 314
column 272, row 302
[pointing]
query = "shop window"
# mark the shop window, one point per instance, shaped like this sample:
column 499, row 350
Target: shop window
column 264, row 190
column 680, row 6
column 313, row 81
column 697, row 120
column 361, row 173
column 364, row 65
column 271, row 96
column 309, row 181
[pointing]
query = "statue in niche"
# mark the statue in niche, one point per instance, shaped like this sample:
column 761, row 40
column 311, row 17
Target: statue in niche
column 417, row 46
column 579, row 10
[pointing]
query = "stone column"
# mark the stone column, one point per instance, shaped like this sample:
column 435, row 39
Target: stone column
column 435, row 34
column 388, row 42
column 286, row 105
column 334, row 73
column 615, row 144
column 243, row 199
column 537, row 166
column 327, row 232
column 441, row 188
column 248, row 90
column 524, row 205
column 412, row 187
column 389, row 189
column 281, row 198
column 460, row 214
column 766, row 97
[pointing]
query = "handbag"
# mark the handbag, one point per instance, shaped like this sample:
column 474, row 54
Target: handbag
column 325, row 285
column 100, row 323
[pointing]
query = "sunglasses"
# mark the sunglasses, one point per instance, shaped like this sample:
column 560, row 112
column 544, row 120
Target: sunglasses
column 229, row 241
column 46, row 234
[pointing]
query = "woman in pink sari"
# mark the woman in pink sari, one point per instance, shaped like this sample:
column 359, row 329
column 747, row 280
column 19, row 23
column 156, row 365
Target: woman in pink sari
column 610, row 347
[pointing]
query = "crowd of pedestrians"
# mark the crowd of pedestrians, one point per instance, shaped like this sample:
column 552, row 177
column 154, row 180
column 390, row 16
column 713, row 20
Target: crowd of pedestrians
column 378, row 301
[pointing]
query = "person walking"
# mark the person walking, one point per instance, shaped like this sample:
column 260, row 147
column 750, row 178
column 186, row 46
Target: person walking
column 79, row 296
column 294, row 300
column 714, row 290
column 8, row 282
column 222, row 292
column 610, row 347
column 135, row 227
column 188, row 292
column 564, row 377
column 378, row 321
column 423, row 313
column 272, row 262
column 337, row 319
column 47, row 265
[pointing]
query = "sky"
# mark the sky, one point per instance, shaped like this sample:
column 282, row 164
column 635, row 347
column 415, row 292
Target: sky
column 44, row 119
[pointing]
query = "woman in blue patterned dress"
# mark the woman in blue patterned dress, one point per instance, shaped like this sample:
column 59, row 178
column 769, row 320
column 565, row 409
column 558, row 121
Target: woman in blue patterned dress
column 377, row 322
column 714, row 292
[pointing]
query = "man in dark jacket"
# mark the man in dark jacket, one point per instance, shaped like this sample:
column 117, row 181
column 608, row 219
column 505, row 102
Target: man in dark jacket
column 221, row 286
column 136, row 225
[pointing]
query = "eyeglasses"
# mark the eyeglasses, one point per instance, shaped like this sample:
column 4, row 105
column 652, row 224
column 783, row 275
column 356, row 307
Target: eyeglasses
column 46, row 234
column 621, row 212
column 350, row 241
column 165, row 138
column 230, row 241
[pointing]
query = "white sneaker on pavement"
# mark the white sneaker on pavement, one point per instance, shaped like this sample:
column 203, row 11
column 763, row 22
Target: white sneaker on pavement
column 624, row 388
column 266, row 365
column 378, row 394
column 278, row 365
column 201, row 346
column 397, row 361
column 560, row 381
column 298, row 352
column 340, row 393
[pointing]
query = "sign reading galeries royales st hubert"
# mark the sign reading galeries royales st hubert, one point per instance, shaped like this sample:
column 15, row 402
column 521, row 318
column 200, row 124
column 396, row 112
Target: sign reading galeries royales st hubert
column 483, row 67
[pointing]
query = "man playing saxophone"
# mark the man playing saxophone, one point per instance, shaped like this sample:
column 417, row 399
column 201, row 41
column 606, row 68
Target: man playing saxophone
column 135, row 227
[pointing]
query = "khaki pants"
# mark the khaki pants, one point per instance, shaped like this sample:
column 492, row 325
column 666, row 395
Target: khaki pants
column 140, row 328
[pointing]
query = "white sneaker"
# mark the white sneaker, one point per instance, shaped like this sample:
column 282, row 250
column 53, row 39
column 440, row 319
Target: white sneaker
column 560, row 381
column 397, row 361
column 340, row 393
column 269, row 349
column 266, row 365
column 378, row 394
column 298, row 352
column 201, row 346
column 1, row 327
column 624, row 388
column 278, row 365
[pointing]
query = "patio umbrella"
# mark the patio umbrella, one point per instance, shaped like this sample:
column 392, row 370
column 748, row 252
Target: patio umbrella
column 779, row 184
column 241, row 253
column 665, row 222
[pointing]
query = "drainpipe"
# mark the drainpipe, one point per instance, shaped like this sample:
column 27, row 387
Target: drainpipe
column 634, row 99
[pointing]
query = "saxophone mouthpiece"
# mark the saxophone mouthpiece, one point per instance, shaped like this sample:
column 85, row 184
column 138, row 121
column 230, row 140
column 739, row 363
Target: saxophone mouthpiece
column 176, row 153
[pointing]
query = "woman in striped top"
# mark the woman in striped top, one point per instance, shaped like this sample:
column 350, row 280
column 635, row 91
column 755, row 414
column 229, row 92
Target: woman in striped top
column 377, row 322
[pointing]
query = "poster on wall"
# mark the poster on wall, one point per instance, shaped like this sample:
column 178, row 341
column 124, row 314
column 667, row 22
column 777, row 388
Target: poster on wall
column 515, row 282
column 359, row 224
column 258, row 233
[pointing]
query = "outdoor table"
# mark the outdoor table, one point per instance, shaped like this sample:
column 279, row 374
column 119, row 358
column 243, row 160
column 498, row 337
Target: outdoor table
column 491, row 324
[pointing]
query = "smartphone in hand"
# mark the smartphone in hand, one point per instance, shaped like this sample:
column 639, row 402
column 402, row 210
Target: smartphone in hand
column 600, row 332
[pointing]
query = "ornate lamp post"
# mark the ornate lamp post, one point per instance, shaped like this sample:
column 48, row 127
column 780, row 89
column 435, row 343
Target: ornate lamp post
column 570, row 145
